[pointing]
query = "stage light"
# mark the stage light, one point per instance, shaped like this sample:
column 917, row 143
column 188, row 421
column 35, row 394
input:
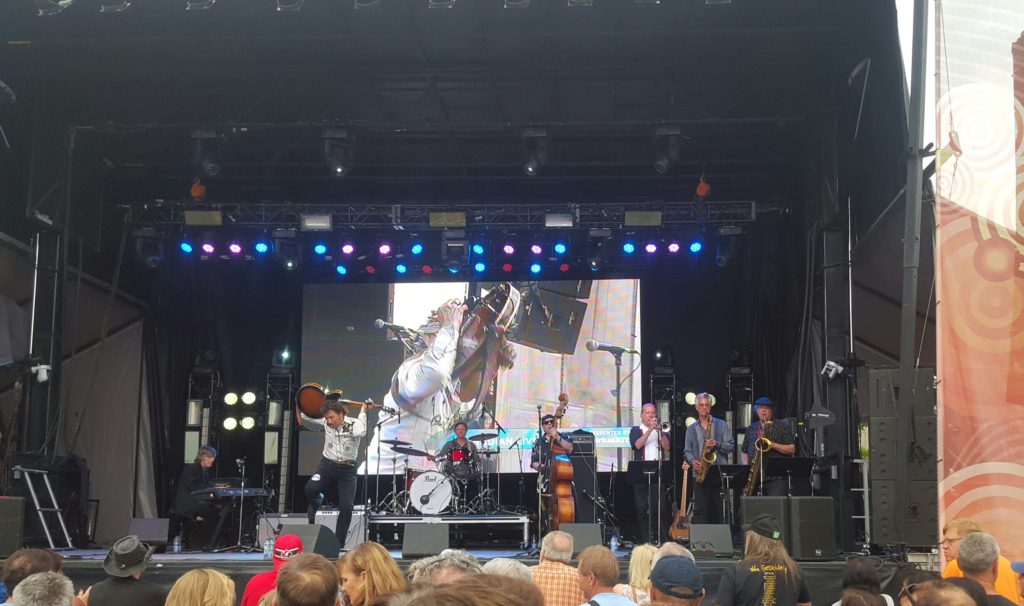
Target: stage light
column 194, row 413
column 341, row 269
column 696, row 247
column 596, row 253
column 536, row 249
column 186, row 247
column 479, row 267
column 235, row 248
column 628, row 248
column 206, row 149
column 667, row 140
column 726, row 250
column 663, row 357
column 248, row 422
column 208, row 248
column 231, row 398
column 651, row 248
column 275, row 413
column 560, row 248
column 286, row 248
column 506, row 267
column 427, row 269
column 347, row 249
column 384, row 249
column 691, row 398
column 248, row 398
column 371, row 269
column 673, row 247
column 564, row 267
column 416, row 248
column 690, row 421
column 401, row 268
column 149, row 247
column 320, row 248
column 261, row 247
column 508, row 249
column 316, row 222
column 453, row 269
column 478, row 249
column 230, row 423
column 535, row 268
column 337, row 151
column 535, row 144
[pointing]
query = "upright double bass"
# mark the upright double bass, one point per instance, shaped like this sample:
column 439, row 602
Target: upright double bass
column 561, row 506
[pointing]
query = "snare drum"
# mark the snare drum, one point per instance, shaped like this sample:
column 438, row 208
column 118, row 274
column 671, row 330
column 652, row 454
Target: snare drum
column 431, row 492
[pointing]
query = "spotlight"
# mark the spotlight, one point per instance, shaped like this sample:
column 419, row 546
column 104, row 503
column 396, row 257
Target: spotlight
column 320, row 248
column 560, row 248
column 628, row 248
column 231, row 398
column 479, row 267
column 673, row 247
column 596, row 254
column 427, row 269
column 337, row 151
column 208, row 248
column 535, row 268
column 831, row 370
column 186, row 247
column 535, row 144
column 478, row 249
column 564, row 267
column 401, row 268
column 248, row 398
column 347, row 249
column 52, row 7
column 651, row 248
column 235, row 247
column 248, row 422
column 726, row 250
column 416, row 248
column 384, row 249
column 371, row 269
column 454, row 253
column 667, row 140
column 230, row 423
column 206, row 150
column 275, row 413
column 453, row 269
column 536, row 249
column 663, row 358
column 690, row 421
column 691, row 398
column 288, row 6
column 341, row 269
column 506, row 267
column 149, row 247
column 114, row 6
column 508, row 249
column 261, row 247
column 286, row 248
column 696, row 247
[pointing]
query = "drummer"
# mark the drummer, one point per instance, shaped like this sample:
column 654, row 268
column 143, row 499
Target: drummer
column 459, row 459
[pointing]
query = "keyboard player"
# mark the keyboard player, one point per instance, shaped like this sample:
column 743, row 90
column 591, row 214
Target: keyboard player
column 194, row 478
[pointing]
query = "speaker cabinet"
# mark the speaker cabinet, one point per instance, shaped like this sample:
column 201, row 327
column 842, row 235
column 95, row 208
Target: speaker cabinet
column 152, row 531
column 777, row 506
column 813, row 528
column 12, row 525
column 422, row 540
column 317, row 539
column 270, row 522
column 711, row 540
column 586, row 490
column 583, row 535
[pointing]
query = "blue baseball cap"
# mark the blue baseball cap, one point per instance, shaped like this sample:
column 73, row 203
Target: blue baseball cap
column 678, row 577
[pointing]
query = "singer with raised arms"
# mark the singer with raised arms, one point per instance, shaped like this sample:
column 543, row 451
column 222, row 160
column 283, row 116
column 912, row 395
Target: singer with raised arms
column 337, row 467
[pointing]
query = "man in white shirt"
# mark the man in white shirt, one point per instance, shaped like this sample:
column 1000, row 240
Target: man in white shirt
column 649, row 443
column 337, row 467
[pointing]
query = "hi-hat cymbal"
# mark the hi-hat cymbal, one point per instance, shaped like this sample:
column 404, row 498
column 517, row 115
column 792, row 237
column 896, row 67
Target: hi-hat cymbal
column 483, row 437
column 412, row 452
column 396, row 442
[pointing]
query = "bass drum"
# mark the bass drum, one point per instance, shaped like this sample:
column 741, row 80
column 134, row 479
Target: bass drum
column 431, row 492
column 310, row 399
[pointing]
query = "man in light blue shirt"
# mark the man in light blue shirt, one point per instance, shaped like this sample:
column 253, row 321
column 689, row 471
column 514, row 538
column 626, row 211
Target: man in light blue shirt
column 715, row 435
column 599, row 573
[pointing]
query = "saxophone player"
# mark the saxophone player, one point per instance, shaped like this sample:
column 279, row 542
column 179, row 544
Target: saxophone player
column 707, row 441
column 781, row 442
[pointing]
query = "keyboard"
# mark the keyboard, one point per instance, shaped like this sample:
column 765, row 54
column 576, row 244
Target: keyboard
column 229, row 493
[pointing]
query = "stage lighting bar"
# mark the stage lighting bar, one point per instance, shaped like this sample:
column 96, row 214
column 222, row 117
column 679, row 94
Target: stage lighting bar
column 204, row 218
column 315, row 222
column 642, row 218
column 558, row 220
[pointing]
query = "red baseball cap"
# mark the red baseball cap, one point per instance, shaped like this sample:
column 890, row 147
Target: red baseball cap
column 286, row 547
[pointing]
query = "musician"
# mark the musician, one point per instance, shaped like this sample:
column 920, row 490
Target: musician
column 707, row 435
column 194, row 477
column 781, row 437
column 459, row 458
column 550, row 442
column 337, row 468
column 649, row 443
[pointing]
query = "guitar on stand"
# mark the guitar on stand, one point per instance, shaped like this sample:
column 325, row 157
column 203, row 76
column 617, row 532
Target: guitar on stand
column 680, row 529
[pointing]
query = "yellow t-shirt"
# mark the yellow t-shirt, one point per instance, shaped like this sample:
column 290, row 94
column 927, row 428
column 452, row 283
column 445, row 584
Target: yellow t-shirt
column 1006, row 578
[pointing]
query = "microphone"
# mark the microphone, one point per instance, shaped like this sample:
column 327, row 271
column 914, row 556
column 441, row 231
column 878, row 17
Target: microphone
column 240, row 461
column 378, row 324
column 595, row 345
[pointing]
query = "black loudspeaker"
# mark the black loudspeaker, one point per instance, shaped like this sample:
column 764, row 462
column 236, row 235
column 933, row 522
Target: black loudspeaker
column 549, row 322
column 777, row 506
column 151, row 531
column 711, row 540
column 12, row 525
column 317, row 539
column 583, row 472
column 422, row 540
column 813, row 528
column 583, row 535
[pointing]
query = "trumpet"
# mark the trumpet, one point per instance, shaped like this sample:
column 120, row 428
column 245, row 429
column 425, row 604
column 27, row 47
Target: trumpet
column 666, row 427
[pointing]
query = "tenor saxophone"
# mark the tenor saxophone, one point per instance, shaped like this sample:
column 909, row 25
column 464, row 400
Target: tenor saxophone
column 708, row 456
column 761, row 446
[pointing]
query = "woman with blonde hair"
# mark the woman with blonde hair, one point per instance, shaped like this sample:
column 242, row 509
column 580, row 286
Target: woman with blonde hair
column 641, row 561
column 766, row 574
column 202, row 587
column 368, row 572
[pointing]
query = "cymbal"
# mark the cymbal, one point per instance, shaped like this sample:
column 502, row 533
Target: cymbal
column 396, row 442
column 412, row 452
column 487, row 453
column 483, row 437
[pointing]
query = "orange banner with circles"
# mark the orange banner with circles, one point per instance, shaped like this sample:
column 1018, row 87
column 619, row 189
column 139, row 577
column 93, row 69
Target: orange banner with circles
column 980, row 278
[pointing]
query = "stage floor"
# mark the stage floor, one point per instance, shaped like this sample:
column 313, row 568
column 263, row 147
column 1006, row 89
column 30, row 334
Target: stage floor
column 85, row 567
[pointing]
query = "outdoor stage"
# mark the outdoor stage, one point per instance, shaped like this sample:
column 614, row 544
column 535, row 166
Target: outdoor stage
column 85, row 567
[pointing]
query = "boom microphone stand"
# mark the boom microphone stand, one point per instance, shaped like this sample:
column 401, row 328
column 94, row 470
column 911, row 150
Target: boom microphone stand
column 240, row 546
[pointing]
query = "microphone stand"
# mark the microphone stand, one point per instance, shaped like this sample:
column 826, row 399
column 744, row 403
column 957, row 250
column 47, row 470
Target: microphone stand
column 540, row 473
column 239, row 546
column 501, row 430
column 522, row 478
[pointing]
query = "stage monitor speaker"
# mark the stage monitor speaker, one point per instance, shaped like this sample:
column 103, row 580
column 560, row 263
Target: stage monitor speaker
column 422, row 540
column 270, row 522
column 777, row 506
column 317, row 539
column 813, row 528
column 711, row 540
column 12, row 525
column 151, row 531
column 583, row 535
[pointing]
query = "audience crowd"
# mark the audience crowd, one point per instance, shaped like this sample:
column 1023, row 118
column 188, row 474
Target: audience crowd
column 976, row 575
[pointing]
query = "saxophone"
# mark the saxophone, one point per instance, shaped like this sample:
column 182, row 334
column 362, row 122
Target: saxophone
column 708, row 456
column 761, row 446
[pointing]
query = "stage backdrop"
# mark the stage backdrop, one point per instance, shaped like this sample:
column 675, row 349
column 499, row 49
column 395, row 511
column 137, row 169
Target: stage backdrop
column 980, row 290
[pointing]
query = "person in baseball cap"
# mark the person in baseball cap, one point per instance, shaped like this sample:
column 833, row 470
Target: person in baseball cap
column 765, row 525
column 677, row 580
column 286, row 547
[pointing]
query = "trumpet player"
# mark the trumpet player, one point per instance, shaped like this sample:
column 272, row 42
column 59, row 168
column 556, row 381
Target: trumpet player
column 778, row 438
column 707, row 441
column 650, row 443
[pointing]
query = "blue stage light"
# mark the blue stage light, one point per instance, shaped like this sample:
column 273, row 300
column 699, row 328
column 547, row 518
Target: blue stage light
column 261, row 247
column 401, row 268
column 341, row 269
column 320, row 248
column 186, row 247
column 480, row 267
column 560, row 248
column 478, row 249
column 453, row 268
column 628, row 248
column 535, row 268
column 416, row 248
column 695, row 247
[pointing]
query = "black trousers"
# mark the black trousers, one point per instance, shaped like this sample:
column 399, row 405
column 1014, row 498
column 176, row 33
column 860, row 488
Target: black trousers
column 645, row 499
column 707, row 498
column 775, row 487
column 330, row 475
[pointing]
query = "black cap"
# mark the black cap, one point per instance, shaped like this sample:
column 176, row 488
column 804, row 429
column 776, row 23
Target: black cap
column 765, row 525
column 547, row 418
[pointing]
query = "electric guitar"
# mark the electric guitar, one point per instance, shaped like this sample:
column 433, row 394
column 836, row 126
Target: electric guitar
column 680, row 529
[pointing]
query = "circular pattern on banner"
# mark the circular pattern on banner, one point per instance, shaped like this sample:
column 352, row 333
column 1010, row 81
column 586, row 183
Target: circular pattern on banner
column 1018, row 124
column 996, row 259
column 954, row 181
column 984, row 123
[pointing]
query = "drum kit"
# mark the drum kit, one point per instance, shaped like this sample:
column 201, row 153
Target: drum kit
column 445, row 490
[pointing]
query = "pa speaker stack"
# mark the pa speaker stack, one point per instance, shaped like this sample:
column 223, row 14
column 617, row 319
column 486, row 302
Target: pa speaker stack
column 808, row 527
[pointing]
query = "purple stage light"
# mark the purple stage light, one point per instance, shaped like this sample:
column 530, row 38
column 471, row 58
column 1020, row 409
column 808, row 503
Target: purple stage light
column 347, row 249
column 208, row 248
column 536, row 249
column 384, row 249
column 508, row 249
column 235, row 248
column 651, row 248
column 673, row 247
